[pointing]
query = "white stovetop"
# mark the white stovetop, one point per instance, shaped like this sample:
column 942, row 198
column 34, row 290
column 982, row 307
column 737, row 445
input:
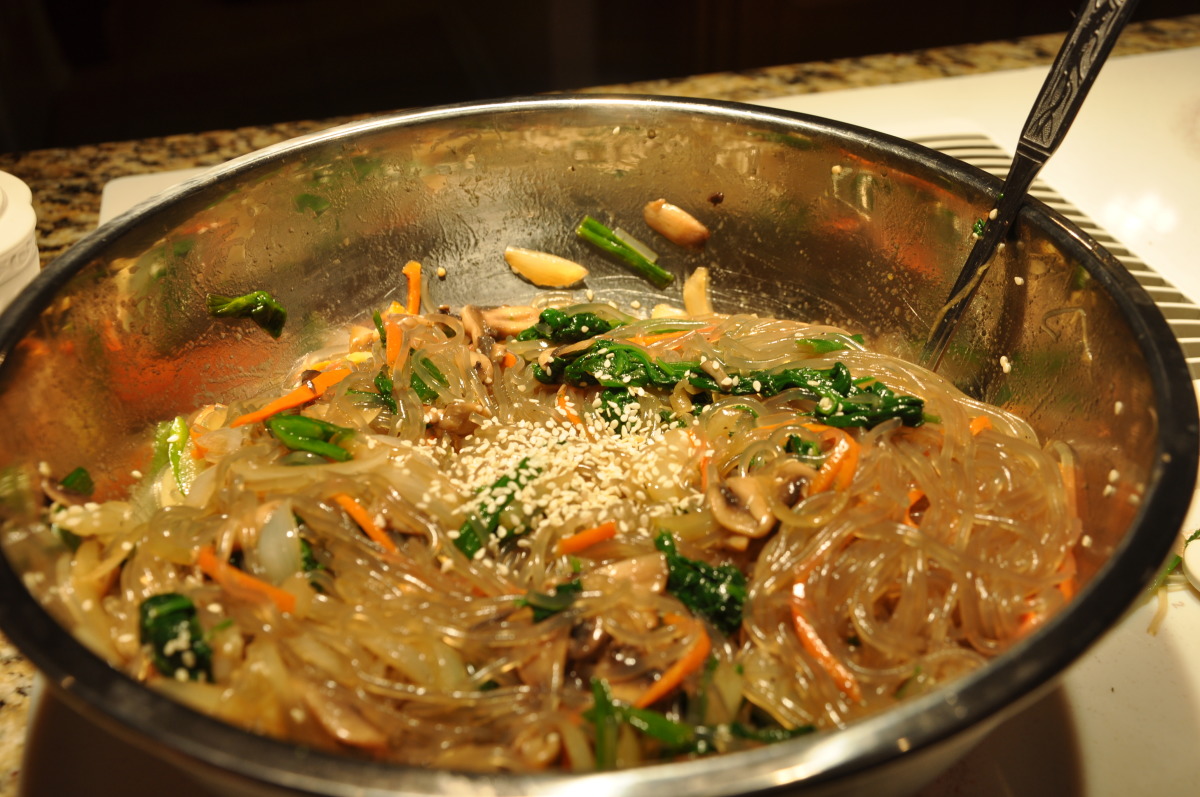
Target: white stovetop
column 1126, row 718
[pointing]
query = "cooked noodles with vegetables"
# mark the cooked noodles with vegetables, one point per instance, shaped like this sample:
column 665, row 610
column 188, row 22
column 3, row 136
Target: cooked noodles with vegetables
column 527, row 538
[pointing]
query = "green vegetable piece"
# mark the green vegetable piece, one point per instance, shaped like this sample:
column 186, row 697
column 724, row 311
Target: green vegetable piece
column 385, row 386
column 1172, row 564
column 424, row 392
column 171, row 440
column 301, row 433
column 259, row 306
column 840, row 399
column 308, row 560
column 548, row 604
column 829, row 343
column 977, row 227
column 768, row 735
column 605, row 721
column 605, row 239
column 317, row 204
column 78, row 481
column 717, row 593
column 481, row 525
column 614, row 403
column 559, row 327
column 68, row 538
column 675, row 735
column 377, row 317
column 170, row 627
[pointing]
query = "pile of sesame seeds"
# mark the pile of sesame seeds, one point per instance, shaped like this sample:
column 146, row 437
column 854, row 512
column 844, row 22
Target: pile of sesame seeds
column 563, row 477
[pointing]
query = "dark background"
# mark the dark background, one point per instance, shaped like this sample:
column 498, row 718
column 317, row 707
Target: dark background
column 83, row 71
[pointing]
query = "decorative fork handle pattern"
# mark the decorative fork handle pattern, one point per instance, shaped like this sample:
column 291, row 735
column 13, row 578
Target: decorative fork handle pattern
column 1084, row 51
column 1075, row 68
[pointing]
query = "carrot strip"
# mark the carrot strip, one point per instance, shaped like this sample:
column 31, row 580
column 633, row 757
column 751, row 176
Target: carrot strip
column 194, row 432
column 914, row 495
column 565, row 407
column 692, row 660
column 509, row 360
column 1069, row 568
column 395, row 337
column 648, row 340
column 840, row 462
column 234, row 580
column 582, row 540
column 301, row 395
column 412, row 270
column 980, row 423
column 816, row 647
column 360, row 516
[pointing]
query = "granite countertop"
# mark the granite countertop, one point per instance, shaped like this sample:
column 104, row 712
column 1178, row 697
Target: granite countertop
column 67, row 185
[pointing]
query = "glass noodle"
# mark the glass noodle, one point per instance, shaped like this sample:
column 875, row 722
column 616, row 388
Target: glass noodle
column 342, row 606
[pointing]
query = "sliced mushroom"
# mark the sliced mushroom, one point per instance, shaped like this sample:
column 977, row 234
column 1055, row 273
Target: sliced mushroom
column 740, row 504
column 472, row 323
column 790, row 478
column 456, row 418
column 579, row 347
column 588, row 639
column 487, row 372
column 509, row 320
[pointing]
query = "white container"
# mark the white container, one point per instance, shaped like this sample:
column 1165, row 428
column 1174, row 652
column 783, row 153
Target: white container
column 18, row 247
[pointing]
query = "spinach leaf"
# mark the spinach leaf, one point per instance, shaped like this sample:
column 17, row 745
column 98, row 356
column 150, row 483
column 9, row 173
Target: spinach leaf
column 559, row 327
column 715, row 592
column 170, row 627
column 483, row 523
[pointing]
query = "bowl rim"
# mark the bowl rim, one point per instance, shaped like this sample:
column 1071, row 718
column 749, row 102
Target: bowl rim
column 985, row 697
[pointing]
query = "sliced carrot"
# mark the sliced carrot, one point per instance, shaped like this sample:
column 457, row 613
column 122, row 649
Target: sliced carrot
column 565, row 408
column 301, row 395
column 195, row 432
column 412, row 270
column 841, row 460
column 237, row 581
column 816, row 647
column 980, row 423
column 395, row 337
column 692, row 660
column 1070, row 569
column 648, row 340
column 582, row 540
column 360, row 516
column 509, row 359
column 914, row 495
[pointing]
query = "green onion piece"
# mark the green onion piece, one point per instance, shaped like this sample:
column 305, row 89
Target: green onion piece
column 300, row 433
column 605, row 720
column 379, row 327
column 78, row 481
column 768, row 735
column 657, row 726
column 605, row 239
column 259, row 306
column 546, row 605
column 171, row 439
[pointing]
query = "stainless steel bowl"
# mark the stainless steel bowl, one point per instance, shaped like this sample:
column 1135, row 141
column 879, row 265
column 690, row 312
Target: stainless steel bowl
column 810, row 218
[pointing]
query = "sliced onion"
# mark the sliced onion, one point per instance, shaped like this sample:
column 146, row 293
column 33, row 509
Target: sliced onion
column 279, row 551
